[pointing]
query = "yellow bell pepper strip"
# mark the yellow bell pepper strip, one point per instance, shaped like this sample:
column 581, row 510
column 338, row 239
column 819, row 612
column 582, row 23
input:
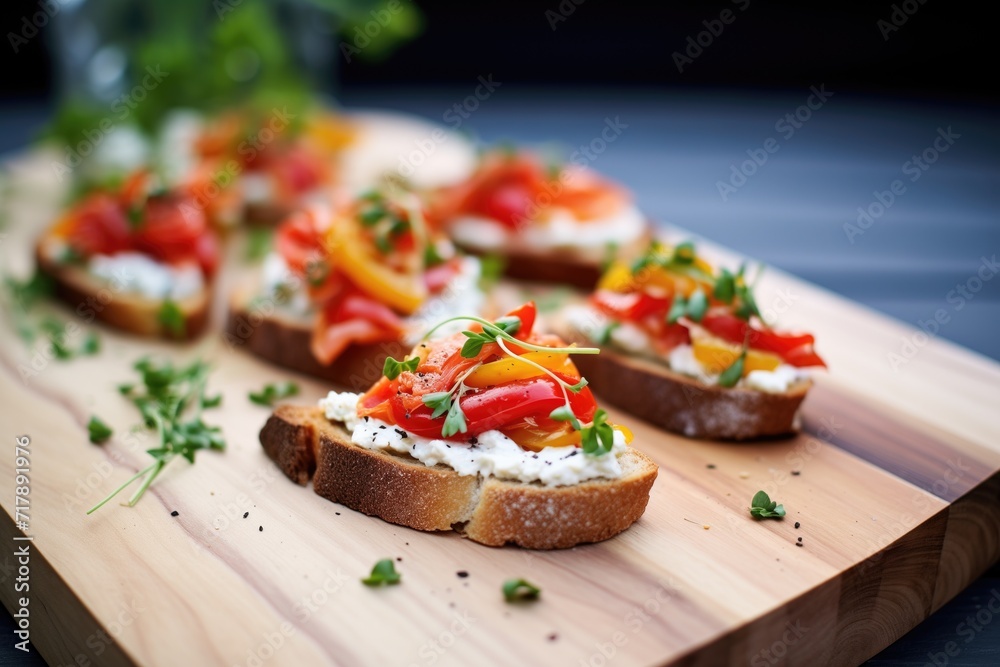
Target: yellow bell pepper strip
column 716, row 356
column 404, row 292
column 620, row 278
column 510, row 369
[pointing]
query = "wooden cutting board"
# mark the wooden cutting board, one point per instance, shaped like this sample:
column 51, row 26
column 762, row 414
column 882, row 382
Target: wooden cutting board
column 893, row 481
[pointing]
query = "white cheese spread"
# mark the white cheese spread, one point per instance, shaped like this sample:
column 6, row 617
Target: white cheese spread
column 560, row 230
column 493, row 453
column 141, row 274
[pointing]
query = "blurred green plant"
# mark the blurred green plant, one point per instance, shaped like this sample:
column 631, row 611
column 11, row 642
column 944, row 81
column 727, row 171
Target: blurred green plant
column 226, row 53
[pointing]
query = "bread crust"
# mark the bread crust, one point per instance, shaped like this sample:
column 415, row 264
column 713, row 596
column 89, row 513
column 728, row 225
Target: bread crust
column 562, row 266
column 684, row 405
column 134, row 313
column 285, row 342
column 402, row 490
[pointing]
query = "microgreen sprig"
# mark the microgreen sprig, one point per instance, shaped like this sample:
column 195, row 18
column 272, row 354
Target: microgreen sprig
column 170, row 401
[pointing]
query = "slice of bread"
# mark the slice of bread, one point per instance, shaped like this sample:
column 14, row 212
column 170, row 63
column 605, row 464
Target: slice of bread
column 681, row 404
column 91, row 296
column 404, row 491
column 562, row 266
column 283, row 339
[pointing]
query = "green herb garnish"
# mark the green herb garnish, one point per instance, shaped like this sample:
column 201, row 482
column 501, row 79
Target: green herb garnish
column 170, row 401
column 697, row 305
column 677, row 309
column 272, row 393
column 98, row 431
column 383, row 574
column 599, row 437
column 725, row 287
column 258, row 243
column 392, row 368
column 732, row 375
column 491, row 268
column 515, row 590
column 603, row 335
column 762, row 507
column 172, row 319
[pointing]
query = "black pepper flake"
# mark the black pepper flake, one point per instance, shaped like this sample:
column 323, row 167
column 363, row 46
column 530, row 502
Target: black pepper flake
column 473, row 440
column 337, row 513
column 261, row 529
column 246, row 514
column 366, row 417
column 447, row 445
column 797, row 524
column 710, row 466
column 407, row 415
column 798, row 544
column 553, row 637
column 800, row 539
column 548, row 463
column 534, row 456
column 796, row 472
column 571, row 454
column 399, row 559
column 381, row 427
column 462, row 574
column 401, row 432
column 175, row 513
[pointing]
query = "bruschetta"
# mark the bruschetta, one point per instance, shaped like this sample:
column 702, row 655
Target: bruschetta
column 139, row 258
column 491, row 432
column 686, row 348
column 556, row 224
column 350, row 284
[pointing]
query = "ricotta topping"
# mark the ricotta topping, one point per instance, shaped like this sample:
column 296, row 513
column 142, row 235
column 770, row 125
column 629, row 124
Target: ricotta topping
column 493, row 453
column 560, row 230
column 141, row 274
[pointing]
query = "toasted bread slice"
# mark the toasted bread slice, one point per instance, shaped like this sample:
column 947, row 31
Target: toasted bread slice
column 404, row 491
column 89, row 295
column 284, row 340
column 681, row 404
column 565, row 266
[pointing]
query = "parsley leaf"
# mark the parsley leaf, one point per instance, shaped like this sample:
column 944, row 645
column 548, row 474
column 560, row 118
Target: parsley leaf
column 99, row 431
column 762, row 507
column 515, row 590
column 732, row 375
column 392, row 368
column 384, row 573
column 273, row 392
column 172, row 319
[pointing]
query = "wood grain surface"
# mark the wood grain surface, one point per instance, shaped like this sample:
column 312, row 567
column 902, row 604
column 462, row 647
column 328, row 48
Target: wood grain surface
column 894, row 481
